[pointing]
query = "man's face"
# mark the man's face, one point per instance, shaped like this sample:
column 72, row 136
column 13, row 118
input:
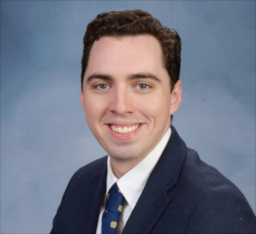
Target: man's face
column 126, row 95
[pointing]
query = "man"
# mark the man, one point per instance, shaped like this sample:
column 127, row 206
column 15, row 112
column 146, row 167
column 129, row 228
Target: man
column 150, row 182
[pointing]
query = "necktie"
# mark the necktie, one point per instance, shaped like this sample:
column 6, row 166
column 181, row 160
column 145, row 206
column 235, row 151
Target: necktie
column 113, row 209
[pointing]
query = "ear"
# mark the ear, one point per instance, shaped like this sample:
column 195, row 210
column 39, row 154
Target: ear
column 175, row 97
column 82, row 100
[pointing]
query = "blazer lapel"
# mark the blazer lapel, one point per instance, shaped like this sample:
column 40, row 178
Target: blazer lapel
column 98, row 190
column 148, row 209
column 154, row 198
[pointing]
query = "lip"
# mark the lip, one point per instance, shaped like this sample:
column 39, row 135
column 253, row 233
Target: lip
column 124, row 136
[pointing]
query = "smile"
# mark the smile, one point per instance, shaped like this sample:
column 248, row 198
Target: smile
column 124, row 129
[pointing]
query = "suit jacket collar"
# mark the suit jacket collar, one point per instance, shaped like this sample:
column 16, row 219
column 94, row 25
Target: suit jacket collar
column 97, row 190
column 154, row 197
column 166, row 172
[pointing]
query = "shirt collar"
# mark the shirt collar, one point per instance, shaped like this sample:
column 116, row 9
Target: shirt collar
column 133, row 182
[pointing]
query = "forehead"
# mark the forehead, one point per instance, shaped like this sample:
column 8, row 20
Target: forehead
column 126, row 54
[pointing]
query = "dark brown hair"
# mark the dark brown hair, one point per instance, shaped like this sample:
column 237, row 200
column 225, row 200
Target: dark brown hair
column 134, row 22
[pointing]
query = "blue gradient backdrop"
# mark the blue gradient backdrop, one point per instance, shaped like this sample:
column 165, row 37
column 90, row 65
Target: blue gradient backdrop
column 44, row 135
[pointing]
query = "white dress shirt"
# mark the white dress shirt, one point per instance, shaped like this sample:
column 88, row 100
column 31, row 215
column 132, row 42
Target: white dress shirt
column 132, row 183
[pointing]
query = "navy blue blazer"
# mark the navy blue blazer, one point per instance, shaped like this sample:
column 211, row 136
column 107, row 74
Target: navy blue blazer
column 182, row 195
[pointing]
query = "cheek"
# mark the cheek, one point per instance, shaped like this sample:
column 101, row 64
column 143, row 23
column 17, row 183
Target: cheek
column 156, row 105
column 91, row 108
column 95, row 109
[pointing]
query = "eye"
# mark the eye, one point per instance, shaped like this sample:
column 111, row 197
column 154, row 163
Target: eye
column 143, row 86
column 101, row 86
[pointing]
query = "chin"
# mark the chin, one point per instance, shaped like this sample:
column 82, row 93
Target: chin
column 123, row 155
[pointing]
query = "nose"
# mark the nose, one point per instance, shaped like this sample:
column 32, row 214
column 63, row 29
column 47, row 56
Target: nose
column 122, row 101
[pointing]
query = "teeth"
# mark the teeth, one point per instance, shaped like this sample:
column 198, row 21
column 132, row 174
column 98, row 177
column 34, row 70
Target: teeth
column 125, row 129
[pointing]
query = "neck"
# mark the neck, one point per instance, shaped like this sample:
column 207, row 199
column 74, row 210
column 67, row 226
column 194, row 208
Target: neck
column 121, row 167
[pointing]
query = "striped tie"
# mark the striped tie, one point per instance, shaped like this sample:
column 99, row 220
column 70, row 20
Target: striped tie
column 113, row 209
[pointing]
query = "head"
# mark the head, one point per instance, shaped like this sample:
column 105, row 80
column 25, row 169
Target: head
column 131, row 23
column 130, row 86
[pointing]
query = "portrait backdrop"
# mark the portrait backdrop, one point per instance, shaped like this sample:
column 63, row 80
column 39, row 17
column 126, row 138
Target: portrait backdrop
column 44, row 134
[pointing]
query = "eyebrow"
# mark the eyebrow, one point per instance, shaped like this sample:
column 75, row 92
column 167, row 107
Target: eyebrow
column 99, row 76
column 135, row 76
column 144, row 76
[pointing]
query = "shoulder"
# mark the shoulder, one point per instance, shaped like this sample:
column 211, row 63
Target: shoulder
column 203, row 178
column 222, row 211
column 79, row 197
column 95, row 167
column 82, row 179
column 216, row 203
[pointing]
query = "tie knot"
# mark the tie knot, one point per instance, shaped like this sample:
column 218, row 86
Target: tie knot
column 114, row 200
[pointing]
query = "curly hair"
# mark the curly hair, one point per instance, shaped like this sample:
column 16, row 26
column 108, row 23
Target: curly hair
column 132, row 23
